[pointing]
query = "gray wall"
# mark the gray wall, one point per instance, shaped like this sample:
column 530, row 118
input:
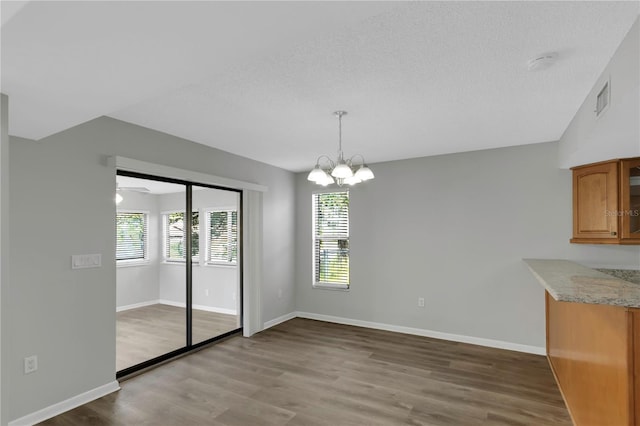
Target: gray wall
column 61, row 200
column 616, row 133
column 453, row 229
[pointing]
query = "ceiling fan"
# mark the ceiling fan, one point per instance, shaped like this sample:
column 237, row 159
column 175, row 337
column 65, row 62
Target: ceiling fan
column 119, row 188
column 132, row 188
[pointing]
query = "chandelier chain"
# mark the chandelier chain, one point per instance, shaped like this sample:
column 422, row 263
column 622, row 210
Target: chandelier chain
column 340, row 134
column 340, row 114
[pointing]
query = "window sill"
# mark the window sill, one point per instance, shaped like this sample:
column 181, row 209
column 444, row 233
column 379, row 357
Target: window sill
column 130, row 263
column 179, row 263
column 221, row 265
column 330, row 286
column 196, row 263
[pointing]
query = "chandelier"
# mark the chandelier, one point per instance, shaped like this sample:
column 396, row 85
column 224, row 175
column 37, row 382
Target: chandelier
column 340, row 171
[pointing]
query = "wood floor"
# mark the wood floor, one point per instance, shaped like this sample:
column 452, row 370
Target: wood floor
column 306, row 372
column 150, row 331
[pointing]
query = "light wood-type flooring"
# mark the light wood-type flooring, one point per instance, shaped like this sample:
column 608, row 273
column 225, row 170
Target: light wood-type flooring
column 306, row 372
column 150, row 331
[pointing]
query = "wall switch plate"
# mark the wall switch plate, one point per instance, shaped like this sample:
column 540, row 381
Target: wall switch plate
column 30, row 364
column 206, row 291
column 421, row 302
column 80, row 261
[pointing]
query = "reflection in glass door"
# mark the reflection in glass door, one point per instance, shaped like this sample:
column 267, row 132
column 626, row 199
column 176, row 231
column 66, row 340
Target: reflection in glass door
column 150, row 270
column 177, row 268
column 216, row 277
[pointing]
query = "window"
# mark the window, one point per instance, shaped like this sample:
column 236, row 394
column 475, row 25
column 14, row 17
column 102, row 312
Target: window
column 222, row 243
column 602, row 100
column 131, row 236
column 174, row 236
column 331, row 239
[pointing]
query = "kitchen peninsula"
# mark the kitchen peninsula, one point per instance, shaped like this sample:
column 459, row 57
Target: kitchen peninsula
column 593, row 340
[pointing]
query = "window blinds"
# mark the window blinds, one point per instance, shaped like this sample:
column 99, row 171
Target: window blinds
column 174, row 231
column 223, row 236
column 331, row 237
column 131, row 236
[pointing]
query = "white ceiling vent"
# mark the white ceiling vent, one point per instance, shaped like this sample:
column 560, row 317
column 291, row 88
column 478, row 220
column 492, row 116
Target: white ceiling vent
column 603, row 99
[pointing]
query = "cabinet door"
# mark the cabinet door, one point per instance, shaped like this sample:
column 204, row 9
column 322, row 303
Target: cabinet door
column 630, row 199
column 595, row 203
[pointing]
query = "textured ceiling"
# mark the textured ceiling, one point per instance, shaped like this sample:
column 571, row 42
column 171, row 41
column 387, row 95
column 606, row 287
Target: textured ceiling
column 261, row 79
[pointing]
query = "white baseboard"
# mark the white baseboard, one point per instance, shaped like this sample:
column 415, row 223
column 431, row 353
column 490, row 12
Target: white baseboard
column 66, row 405
column 280, row 319
column 137, row 305
column 199, row 307
column 537, row 350
column 214, row 309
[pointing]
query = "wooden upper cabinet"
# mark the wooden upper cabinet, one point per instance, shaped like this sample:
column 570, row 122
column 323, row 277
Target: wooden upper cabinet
column 606, row 202
column 595, row 202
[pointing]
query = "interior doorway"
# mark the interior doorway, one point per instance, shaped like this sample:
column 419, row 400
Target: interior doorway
column 178, row 267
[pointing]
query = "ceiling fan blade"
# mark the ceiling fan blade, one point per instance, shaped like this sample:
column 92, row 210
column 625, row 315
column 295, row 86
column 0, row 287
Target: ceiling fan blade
column 134, row 189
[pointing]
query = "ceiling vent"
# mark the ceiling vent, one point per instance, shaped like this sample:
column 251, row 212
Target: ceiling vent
column 603, row 99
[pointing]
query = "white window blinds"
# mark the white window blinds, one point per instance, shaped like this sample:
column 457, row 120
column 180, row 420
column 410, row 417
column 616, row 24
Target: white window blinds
column 331, row 238
column 222, row 241
column 131, row 236
column 174, row 236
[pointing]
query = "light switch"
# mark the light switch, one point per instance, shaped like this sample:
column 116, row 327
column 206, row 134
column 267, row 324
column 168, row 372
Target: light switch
column 80, row 261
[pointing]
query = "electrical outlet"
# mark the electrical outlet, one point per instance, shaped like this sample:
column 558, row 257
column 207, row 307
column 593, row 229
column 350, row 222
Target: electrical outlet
column 279, row 293
column 30, row 364
column 206, row 292
column 421, row 302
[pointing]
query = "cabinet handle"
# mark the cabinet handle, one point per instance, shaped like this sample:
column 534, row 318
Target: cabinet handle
column 614, row 233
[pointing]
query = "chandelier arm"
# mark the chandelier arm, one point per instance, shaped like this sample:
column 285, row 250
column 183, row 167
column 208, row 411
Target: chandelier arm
column 331, row 163
column 357, row 155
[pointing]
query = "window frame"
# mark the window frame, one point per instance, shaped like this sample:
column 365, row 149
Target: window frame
column 323, row 284
column 138, row 261
column 207, row 251
column 164, row 217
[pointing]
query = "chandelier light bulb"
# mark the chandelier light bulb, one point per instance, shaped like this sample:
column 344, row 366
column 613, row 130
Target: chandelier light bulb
column 342, row 171
column 352, row 180
column 364, row 173
column 317, row 174
column 327, row 180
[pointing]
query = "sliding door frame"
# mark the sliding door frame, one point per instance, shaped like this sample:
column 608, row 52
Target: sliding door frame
column 189, row 346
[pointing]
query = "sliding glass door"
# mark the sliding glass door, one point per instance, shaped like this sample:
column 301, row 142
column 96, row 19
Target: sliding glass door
column 178, row 259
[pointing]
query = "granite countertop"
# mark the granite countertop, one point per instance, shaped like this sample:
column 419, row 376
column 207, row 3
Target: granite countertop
column 630, row 275
column 568, row 281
